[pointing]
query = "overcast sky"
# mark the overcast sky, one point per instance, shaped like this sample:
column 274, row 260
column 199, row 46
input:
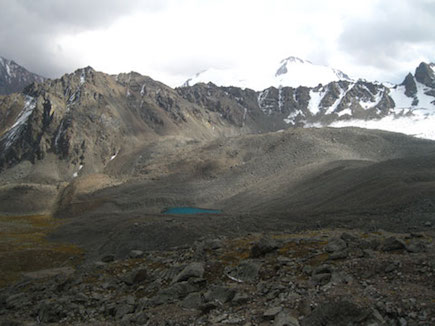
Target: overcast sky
column 171, row 40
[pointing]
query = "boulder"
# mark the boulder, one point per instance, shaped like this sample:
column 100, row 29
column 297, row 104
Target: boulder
column 191, row 270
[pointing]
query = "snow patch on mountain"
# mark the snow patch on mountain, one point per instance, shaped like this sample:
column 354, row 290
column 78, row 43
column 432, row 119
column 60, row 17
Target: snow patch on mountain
column 418, row 126
column 13, row 132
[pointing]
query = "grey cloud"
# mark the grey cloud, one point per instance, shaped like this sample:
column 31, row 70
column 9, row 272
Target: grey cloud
column 28, row 28
column 389, row 37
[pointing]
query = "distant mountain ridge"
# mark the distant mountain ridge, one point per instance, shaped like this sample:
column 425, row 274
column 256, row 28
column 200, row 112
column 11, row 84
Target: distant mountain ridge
column 14, row 78
column 291, row 72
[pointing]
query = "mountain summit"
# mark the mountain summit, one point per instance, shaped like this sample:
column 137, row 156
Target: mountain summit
column 14, row 78
column 291, row 72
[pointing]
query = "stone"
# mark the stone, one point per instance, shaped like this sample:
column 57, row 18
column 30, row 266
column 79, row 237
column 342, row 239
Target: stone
column 416, row 247
column 207, row 307
column 321, row 279
column 348, row 238
column 123, row 309
column 285, row 319
column 392, row 243
column 220, row 294
column 192, row 301
column 336, row 313
column 428, row 224
column 10, row 323
column 307, row 269
column 335, row 245
column 175, row 292
column 270, row 313
column 191, row 270
column 246, row 271
column 338, row 255
column 140, row 319
column 49, row 313
column 390, row 268
column 16, row 301
column 263, row 247
column 108, row 258
column 323, row 269
column 136, row 254
column 136, row 277
column 240, row 298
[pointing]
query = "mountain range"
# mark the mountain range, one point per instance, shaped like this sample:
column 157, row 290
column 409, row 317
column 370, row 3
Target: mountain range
column 90, row 116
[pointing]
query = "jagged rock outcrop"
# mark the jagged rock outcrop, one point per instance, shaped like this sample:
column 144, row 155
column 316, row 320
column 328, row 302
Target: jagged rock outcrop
column 425, row 74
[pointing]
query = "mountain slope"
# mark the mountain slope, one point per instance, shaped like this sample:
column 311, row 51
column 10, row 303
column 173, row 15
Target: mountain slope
column 14, row 78
column 292, row 72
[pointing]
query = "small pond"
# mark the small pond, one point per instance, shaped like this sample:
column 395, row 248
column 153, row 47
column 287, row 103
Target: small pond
column 190, row 210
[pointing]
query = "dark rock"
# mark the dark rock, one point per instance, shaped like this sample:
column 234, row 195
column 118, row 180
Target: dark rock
column 140, row 319
column 285, row 319
column 10, row 323
column 336, row 245
column 16, row 301
column 136, row 254
column 192, row 270
column 220, row 294
column 50, row 313
column 270, row 313
column 416, row 247
column 263, row 247
column 136, row 277
column 175, row 292
column 410, row 85
column 307, row 269
column 323, row 269
column 123, row 309
column 342, row 313
column 390, row 268
column 321, row 279
column 392, row 243
column 192, row 301
column 424, row 74
column 207, row 307
column 246, row 271
column 108, row 259
column 240, row 298
column 348, row 238
column 338, row 255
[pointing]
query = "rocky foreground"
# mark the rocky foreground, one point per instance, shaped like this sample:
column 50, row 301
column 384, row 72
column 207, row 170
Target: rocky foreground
column 325, row 277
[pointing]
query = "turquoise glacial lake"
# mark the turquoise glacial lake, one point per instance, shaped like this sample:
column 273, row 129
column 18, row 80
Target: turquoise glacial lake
column 191, row 210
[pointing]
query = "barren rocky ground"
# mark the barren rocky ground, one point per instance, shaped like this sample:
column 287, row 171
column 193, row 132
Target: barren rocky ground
column 323, row 277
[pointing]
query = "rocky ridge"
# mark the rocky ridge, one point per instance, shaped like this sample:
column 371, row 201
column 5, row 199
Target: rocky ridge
column 324, row 277
column 14, row 78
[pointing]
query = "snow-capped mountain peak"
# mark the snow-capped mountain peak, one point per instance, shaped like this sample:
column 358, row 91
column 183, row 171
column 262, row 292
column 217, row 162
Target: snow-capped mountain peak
column 295, row 72
column 292, row 71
